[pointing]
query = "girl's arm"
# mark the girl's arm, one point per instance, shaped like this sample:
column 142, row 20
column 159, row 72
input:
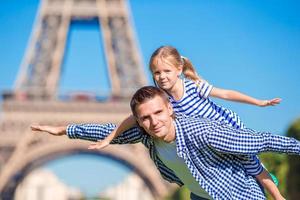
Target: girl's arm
column 266, row 181
column 125, row 125
column 233, row 95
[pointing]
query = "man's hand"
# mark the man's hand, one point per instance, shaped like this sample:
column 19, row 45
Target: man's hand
column 53, row 130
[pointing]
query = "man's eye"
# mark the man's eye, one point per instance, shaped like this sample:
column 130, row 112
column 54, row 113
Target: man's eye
column 144, row 119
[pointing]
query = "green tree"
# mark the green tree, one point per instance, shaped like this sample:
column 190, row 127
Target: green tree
column 181, row 193
column 293, row 175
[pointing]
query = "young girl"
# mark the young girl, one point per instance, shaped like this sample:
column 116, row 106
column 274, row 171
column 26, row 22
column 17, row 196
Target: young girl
column 189, row 95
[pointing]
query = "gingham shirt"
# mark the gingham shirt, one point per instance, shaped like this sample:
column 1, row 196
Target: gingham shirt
column 195, row 102
column 212, row 151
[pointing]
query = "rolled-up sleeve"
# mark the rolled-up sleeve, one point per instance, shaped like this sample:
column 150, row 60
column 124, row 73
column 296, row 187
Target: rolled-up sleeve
column 95, row 132
column 226, row 139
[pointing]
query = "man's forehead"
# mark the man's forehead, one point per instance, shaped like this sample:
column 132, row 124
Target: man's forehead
column 157, row 98
column 152, row 104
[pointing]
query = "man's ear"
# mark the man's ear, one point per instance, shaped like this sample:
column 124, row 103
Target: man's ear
column 170, row 109
column 137, row 120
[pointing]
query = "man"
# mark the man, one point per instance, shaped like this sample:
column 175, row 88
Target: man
column 202, row 154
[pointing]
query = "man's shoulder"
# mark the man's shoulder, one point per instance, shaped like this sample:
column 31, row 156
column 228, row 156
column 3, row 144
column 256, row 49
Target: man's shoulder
column 181, row 116
column 193, row 129
column 192, row 120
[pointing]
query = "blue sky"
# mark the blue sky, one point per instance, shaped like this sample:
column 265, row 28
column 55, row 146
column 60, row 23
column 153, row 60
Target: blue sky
column 251, row 46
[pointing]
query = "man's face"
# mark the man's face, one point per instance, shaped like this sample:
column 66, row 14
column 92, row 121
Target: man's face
column 155, row 116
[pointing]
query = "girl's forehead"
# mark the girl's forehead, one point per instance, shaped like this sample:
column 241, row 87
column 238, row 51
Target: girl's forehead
column 163, row 62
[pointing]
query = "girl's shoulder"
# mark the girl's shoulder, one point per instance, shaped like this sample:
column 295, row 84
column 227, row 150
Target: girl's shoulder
column 201, row 87
column 189, row 83
column 190, row 86
column 199, row 84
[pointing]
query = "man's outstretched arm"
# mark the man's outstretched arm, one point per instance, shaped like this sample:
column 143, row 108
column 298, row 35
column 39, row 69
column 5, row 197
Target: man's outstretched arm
column 92, row 132
column 246, row 141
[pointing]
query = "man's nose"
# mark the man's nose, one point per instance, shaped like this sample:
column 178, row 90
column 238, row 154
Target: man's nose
column 154, row 121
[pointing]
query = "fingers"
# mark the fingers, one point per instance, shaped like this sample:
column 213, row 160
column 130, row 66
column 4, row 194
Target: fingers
column 274, row 101
column 92, row 145
column 97, row 145
column 35, row 127
column 40, row 128
column 271, row 102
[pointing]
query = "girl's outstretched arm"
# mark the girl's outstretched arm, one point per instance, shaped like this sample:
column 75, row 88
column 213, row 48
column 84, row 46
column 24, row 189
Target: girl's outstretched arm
column 125, row 125
column 233, row 95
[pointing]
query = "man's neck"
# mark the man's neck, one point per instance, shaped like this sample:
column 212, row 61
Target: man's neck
column 172, row 134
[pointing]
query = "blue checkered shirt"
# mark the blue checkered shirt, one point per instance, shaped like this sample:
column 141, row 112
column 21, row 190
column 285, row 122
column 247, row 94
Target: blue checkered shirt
column 212, row 151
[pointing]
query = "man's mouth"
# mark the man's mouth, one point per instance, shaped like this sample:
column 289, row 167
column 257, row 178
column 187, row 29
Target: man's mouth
column 155, row 130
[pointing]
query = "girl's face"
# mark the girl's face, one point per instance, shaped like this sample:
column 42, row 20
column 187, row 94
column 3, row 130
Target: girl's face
column 165, row 74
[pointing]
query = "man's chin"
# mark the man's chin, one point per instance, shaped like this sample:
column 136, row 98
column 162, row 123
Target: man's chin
column 158, row 135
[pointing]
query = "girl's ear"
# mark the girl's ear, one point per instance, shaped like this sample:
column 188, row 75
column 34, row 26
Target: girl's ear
column 179, row 71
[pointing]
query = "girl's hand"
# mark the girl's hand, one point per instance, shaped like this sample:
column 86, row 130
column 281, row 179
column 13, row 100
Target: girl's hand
column 271, row 102
column 100, row 144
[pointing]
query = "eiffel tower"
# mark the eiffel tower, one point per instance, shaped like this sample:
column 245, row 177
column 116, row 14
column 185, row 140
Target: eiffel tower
column 35, row 99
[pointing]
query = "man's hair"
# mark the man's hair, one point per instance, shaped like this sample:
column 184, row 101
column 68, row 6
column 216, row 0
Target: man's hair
column 144, row 94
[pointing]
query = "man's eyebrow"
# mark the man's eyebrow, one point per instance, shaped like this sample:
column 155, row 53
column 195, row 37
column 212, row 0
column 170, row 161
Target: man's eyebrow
column 158, row 110
column 155, row 111
column 143, row 116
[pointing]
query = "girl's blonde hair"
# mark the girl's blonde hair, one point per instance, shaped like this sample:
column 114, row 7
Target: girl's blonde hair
column 171, row 55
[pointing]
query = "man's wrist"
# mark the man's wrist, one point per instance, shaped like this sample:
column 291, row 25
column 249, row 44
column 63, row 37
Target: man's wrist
column 63, row 130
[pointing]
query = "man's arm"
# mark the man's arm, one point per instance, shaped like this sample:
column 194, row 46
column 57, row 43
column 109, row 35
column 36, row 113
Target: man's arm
column 246, row 141
column 53, row 130
column 92, row 132
column 125, row 125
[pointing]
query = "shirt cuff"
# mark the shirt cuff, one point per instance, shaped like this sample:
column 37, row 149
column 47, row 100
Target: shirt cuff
column 71, row 131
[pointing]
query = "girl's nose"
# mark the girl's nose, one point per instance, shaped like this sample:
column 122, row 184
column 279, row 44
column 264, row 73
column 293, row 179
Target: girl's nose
column 162, row 76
